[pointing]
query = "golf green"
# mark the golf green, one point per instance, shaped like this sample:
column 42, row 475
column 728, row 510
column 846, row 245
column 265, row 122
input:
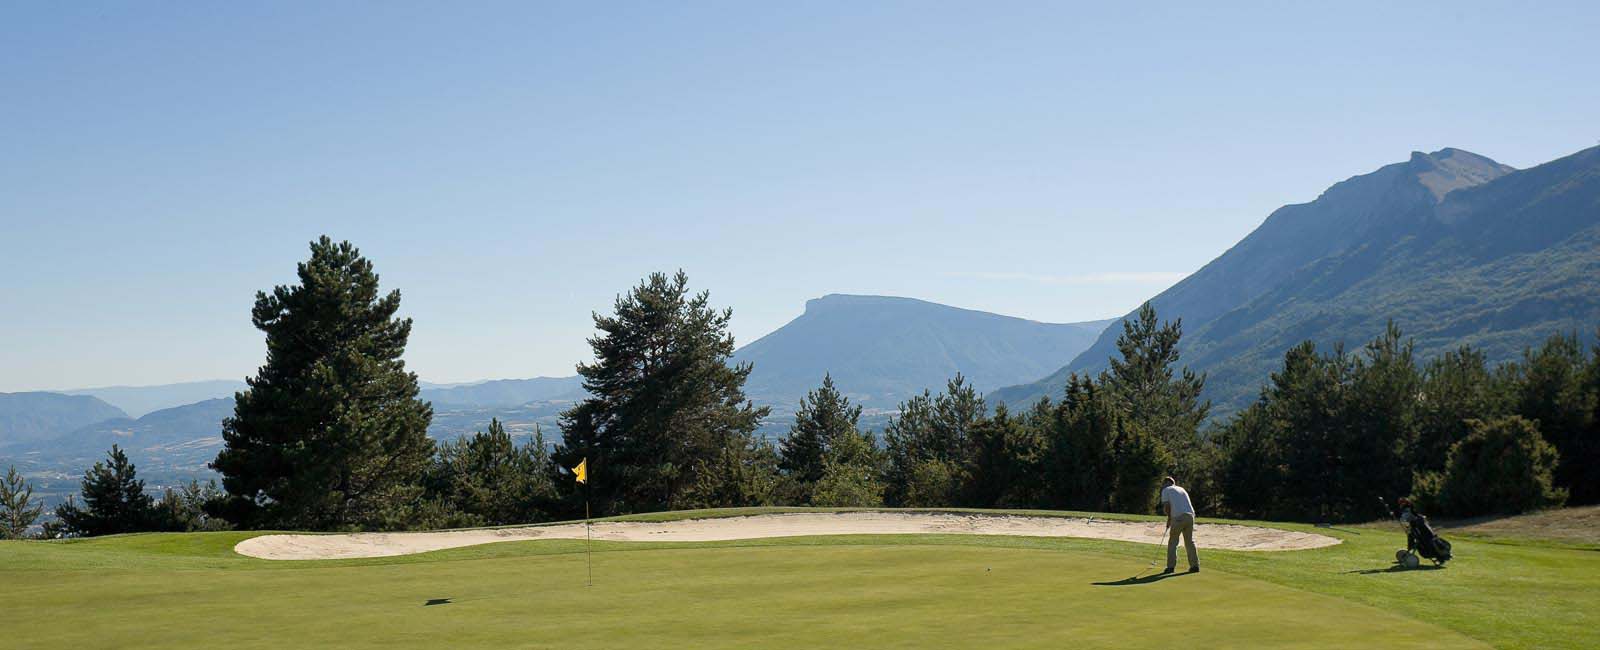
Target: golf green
column 165, row 591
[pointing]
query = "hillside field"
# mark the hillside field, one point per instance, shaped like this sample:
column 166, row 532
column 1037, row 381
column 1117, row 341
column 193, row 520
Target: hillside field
column 192, row 590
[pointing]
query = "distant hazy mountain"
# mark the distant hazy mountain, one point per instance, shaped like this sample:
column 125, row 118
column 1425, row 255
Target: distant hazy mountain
column 881, row 350
column 188, row 427
column 507, row 393
column 1452, row 246
column 183, row 439
column 26, row 418
column 139, row 400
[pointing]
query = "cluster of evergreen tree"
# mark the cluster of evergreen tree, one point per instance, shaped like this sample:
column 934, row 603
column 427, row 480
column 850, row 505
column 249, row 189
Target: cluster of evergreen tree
column 1103, row 447
column 827, row 460
column 115, row 501
column 486, row 479
column 331, row 435
column 1332, row 432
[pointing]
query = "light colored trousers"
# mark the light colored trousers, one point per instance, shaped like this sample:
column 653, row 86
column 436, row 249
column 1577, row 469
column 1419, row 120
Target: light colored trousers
column 1182, row 525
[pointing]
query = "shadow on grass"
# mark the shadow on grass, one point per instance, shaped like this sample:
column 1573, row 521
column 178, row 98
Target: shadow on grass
column 1396, row 568
column 1136, row 580
column 436, row 601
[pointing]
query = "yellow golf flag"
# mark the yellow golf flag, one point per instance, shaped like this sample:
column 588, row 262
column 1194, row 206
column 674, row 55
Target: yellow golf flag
column 582, row 471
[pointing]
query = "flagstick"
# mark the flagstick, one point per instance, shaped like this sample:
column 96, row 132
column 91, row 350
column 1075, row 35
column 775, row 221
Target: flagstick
column 588, row 555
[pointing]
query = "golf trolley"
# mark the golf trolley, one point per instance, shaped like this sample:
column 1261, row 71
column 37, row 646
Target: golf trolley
column 1421, row 541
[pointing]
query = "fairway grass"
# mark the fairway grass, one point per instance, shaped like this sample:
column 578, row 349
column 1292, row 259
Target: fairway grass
column 149, row 591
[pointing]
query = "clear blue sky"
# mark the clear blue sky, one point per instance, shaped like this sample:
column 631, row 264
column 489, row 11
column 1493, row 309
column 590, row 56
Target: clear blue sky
column 512, row 167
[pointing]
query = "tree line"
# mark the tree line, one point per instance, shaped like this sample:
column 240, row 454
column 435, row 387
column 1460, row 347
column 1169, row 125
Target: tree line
column 330, row 433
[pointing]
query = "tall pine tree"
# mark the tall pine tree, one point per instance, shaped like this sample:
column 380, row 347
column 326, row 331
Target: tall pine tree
column 1149, row 389
column 667, row 424
column 330, row 433
column 18, row 510
column 824, row 415
column 1161, row 401
column 114, row 500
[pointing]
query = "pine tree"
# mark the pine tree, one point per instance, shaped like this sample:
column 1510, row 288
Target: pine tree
column 1306, row 406
column 1549, row 388
column 1252, row 467
column 1144, row 384
column 490, row 480
column 330, row 433
column 1456, row 387
column 1380, row 417
column 114, row 501
column 990, row 459
column 1139, row 463
column 928, row 446
column 824, row 415
column 183, row 510
column 1163, row 402
column 1081, row 457
column 18, row 510
column 667, row 422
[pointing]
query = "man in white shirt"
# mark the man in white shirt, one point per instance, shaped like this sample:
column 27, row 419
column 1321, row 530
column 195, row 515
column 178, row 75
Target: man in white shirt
column 1180, row 521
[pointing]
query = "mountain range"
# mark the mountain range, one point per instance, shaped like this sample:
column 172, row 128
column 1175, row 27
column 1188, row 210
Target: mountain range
column 136, row 401
column 36, row 416
column 504, row 393
column 882, row 350
column 1453, row 247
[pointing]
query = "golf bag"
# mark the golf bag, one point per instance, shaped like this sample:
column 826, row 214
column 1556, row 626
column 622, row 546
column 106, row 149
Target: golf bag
column 1421, row 538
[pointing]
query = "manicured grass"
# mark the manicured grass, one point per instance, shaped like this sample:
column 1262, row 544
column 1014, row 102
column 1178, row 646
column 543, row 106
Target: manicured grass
column 867, row 591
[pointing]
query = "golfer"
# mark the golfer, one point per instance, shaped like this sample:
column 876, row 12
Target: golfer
column 1180, row 521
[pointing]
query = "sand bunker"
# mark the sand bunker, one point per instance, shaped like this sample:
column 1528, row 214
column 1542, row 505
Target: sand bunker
column 360, row 545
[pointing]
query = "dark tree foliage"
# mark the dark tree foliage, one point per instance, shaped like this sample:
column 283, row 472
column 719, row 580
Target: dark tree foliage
column 1553, row 387
column 1141, row 460
column 486, row 479
column 1080, row 465
column 1334, row 428
column 114, row 501
column 1586, row 487
column 1378, row 426
column 1306, row 403
column 1456, row 387
column 741, row 472
column 330, row 433
column 824, row 415
column 18, row 510
column 851, row 473
column 1504, row 466
column 1096, row 458
column 184, row 510
column 927, row 446
column 1334, row 432
column 1161, row 400
column 1147, row 386
column 1252, row 471
column 1004, row 451
column 667, row 423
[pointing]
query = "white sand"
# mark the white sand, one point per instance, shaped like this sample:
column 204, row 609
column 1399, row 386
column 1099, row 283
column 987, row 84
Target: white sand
column 360, row 545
